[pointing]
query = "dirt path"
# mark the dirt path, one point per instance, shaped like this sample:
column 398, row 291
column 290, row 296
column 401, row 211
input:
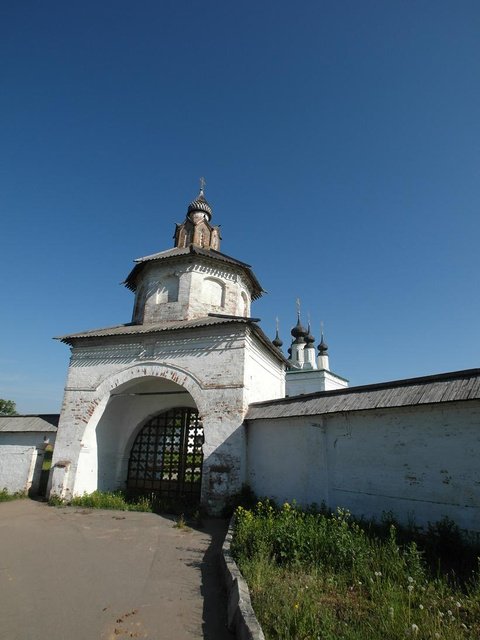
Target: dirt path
column 79, row 574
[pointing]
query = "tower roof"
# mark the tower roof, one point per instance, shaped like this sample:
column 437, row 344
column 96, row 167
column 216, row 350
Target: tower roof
column 323, row 346
column 309, row 339
column 277, row 341
column 299, row 332
column 200, row 204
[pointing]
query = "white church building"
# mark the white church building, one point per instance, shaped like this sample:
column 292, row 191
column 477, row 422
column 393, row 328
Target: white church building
column 190, row 400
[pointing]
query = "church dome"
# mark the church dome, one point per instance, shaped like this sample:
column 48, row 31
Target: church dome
column 322, row 347
column 200, row 205
column 277, row 342
column 309, row 339
column 299, row 332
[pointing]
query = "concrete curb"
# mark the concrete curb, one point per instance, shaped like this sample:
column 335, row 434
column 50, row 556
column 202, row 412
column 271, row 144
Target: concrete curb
column 241, row 618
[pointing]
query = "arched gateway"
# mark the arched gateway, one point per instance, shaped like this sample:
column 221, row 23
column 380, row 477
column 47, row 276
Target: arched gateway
column 129, row 418
column 166, row 458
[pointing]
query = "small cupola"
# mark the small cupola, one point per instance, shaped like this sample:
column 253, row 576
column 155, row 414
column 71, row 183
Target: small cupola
column 196, row 228
column 322, row 358
column 322, row 347
column 277, row 342
column 309, row 339
column 299, row 332
column 309, row 350
column 199, row 209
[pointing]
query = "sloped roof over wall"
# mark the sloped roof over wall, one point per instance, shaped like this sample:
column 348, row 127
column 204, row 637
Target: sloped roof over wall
column 134, row 329
column 176, row 325
column 47, row 422
column 443, row 387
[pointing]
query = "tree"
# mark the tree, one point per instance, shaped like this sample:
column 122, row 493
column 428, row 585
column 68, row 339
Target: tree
column 7, row 408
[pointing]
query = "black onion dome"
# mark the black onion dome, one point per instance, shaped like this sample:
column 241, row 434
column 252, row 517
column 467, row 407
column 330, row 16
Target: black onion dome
column 200, row 204
column 309, row 339
column 299, row 332
column 276, row 341
column 323, row 346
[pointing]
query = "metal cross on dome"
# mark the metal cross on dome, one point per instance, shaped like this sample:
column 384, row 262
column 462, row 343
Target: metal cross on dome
column 298, row 306
column 202, row 184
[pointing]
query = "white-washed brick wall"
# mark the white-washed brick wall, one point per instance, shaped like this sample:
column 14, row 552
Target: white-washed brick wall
column 420, row 461
column 21, row 456
column 194, row 299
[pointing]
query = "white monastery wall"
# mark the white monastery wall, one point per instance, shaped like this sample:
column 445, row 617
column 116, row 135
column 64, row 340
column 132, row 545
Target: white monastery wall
column 419, row 462
column 21, row 458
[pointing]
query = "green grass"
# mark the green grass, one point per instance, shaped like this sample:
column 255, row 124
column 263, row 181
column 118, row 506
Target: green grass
column 105, row 500
column 325, row 576
column 5, row 496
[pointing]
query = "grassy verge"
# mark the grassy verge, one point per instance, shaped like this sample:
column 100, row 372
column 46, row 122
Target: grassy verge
column 105, row 500
column 5, row 496
column 324, row 576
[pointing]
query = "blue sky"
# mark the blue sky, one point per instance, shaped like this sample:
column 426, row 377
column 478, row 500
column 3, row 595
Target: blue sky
column 340, row 142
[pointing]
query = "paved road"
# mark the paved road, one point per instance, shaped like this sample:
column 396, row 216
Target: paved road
column 80, row 574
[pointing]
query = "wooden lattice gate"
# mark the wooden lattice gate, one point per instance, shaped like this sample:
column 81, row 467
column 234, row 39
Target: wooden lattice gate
column 166, row 460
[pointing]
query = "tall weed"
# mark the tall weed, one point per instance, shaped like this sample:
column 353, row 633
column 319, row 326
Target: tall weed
column 106, row 500
column 318, row 575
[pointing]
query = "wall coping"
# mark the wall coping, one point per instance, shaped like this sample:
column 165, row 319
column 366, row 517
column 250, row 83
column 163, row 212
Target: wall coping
column 241, row 618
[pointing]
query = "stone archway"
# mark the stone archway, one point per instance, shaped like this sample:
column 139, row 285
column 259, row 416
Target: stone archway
column 121, row 407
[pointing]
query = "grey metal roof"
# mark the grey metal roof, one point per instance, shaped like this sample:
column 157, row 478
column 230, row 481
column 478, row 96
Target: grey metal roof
column 140, row 329
column 43, row 422
column 443, row 387
column 134, row 329
column 131, row 280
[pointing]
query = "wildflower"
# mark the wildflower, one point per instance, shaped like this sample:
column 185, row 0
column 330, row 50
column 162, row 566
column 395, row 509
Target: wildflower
column 378, row 573
column 420, row 606
column 437, row 635
column 390, row 612
column 449, row 612
column 360, row 583
column 296, row 605
column 410, row 579
column 414, row 628
column 410, row 587
column 458, row 605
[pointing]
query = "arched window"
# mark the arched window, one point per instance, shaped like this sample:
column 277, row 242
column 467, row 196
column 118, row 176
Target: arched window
column 213, row 292
column 139, row 304
column 244, row 311
column 167, row 290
